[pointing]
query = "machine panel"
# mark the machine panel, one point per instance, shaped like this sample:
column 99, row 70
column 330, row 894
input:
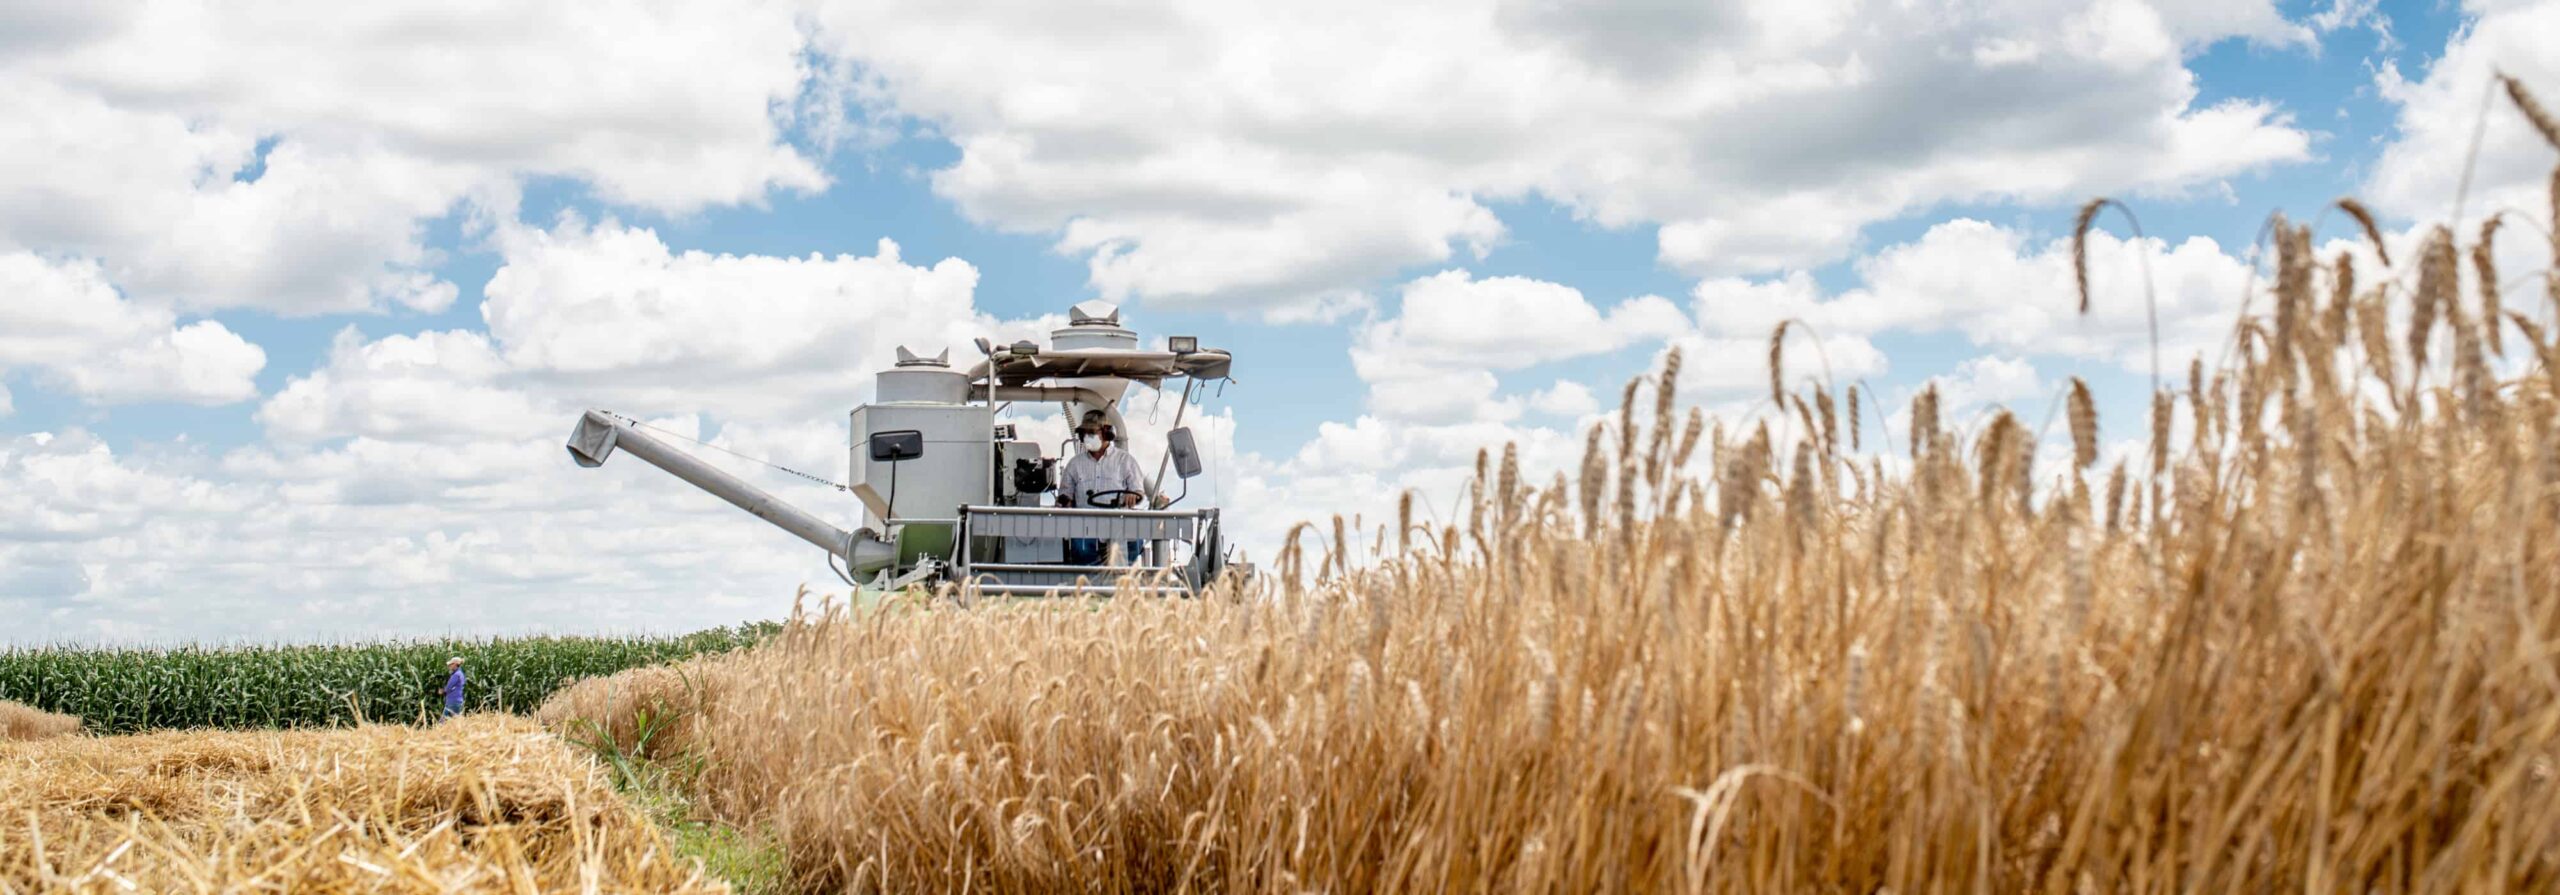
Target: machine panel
column 957, row 466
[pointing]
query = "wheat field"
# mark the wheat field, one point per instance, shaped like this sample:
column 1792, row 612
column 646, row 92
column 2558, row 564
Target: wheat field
column 2308, row 640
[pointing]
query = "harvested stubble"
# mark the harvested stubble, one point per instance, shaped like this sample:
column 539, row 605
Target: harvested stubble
column 483, row 803
column 2318, row 649
column 20, row 722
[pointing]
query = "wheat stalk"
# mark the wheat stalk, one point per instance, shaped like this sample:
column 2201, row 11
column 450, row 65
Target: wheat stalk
column 1778, row 364
column 2160, row 404
column 2084, row 424
column 2484, row 264
column 1924, row 419
column 2372, row 232
column 2533, row 111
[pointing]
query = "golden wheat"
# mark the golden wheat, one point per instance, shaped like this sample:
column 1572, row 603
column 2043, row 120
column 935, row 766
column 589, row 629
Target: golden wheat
column 483, row 803
column 20, row 722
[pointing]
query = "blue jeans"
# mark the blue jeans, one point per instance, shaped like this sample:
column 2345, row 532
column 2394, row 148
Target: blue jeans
column 1090, row 552
column 452, row 708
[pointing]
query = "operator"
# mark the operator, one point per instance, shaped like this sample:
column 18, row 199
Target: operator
column 1099, row 474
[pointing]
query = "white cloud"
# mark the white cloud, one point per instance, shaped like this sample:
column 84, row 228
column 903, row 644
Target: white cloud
column 2196, row 21
column 1722, row 367
column 1434, row 361
column 2344, row 14
column 1241, row 155
column 433, row 387
column 1566, row 398
column 138, row 134
column 2418, row 174
column 63, row 321
column 1998, row 289
column 1433, row 395
column 1511, row 322
column 607, row 313
column 1989, row 380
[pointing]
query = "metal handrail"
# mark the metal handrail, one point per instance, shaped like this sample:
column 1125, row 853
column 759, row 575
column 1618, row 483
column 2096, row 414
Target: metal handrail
column 1059, row 568
column 1083, row 511
column 1150, row 578
column 1078, row 589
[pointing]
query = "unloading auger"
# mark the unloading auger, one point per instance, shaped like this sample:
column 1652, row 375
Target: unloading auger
column 949, row 494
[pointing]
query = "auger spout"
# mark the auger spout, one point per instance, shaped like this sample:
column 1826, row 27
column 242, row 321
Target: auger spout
column 599, row 433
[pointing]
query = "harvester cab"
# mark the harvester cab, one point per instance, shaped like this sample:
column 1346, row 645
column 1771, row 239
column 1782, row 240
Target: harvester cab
column 948, row 493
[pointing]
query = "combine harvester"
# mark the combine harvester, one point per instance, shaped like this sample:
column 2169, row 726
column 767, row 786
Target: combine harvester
column 949, row 494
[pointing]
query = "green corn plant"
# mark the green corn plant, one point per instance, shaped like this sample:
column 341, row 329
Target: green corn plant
column 284, row 686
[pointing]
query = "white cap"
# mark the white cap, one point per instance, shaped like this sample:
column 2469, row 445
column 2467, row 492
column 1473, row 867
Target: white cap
column 457, row 660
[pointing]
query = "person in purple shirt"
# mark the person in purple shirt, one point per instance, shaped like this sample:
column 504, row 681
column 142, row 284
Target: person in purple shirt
column 453, row 687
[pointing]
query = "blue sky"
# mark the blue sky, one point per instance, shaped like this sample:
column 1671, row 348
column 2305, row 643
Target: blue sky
column 298, row 339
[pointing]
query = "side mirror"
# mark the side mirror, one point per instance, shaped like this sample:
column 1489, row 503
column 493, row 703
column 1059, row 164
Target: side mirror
column 896, row 445
column 1186, row 453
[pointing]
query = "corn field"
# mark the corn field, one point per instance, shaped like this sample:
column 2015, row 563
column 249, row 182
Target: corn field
column 2303, row 642
column 252, row 687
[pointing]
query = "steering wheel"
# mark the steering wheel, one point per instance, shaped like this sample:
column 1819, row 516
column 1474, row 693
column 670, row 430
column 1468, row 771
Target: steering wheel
column 1093, row 498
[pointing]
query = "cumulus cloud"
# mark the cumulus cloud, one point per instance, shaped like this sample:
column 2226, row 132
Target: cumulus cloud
column 285, row 157
column 1716, row 367
column 2196, row 21
column 608, row 313
column 1252, row 154
column 1434, row 361
column 432, row 387
column 63, row 321
column 1512, row 322
column 2000, row 288
column 2418, row 174
column 1988, row 380
column 1566, row 398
